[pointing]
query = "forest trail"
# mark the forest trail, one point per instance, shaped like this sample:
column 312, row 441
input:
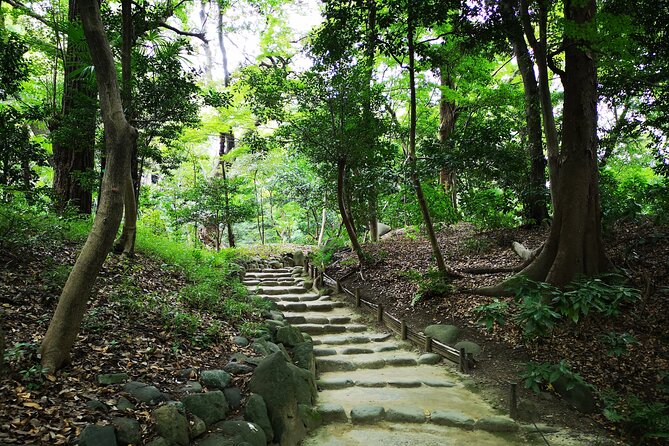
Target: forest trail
column 377, row 390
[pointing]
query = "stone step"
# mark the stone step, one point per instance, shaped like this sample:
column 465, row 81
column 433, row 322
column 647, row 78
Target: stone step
column 270, row 282
column 421, row 375
column 309, row 306
column 306, row 297
column 394, row 433
column 351, row 339
column 278, row 290
column 342, row 363
column 296, row 318
column 368, row 348
column 425, row 398
column 318, row 329
column 273, row 274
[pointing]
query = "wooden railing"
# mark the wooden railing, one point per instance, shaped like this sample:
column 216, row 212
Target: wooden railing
column 399, row 326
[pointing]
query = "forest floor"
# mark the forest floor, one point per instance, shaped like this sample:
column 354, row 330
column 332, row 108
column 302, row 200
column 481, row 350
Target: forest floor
column 125, row 330
column 641, row 249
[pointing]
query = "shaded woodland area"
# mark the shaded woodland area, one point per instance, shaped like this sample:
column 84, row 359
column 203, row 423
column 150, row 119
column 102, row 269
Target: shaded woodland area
column 147, row 155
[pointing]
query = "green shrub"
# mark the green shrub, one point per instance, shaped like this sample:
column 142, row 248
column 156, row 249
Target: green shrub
column 491, row 208
column 617, row 343
column 641, row 420
column 432, row 284
column 538, row 375
column 492, row 313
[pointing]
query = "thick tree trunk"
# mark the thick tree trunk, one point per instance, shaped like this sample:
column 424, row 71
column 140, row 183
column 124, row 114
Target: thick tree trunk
column 574, row 247
column 535, row 202
column 447, row 117
column 350, row 230
column 119, row 136
column 415, row 180
column 73, row 134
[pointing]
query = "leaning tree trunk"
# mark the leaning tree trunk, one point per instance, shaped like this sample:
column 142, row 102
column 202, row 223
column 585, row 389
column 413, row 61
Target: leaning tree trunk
column 415, row 180
column 74, row 131
column 574, row 247
column 119, row 137
column 350, row 230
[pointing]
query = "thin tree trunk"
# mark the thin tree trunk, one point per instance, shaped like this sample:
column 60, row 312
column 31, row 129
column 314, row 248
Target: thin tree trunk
column 535, row 203
column 119, row 135
column 341, row 175
column 324, row 221
column 447, row 117
column 207, row 49
column 415, row 180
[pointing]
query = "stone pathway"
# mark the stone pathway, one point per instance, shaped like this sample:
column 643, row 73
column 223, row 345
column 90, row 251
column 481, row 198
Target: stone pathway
column 378, row 390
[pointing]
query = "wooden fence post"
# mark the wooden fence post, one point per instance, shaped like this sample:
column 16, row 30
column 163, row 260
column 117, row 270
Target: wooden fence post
column 464, row 363
column 379, row 313
column 513, row 401
column 403, row 330
column 357, row 297
column 428, row 344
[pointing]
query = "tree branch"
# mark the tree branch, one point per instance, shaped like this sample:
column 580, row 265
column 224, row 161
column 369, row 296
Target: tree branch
column 181, row 32
column 29, row 12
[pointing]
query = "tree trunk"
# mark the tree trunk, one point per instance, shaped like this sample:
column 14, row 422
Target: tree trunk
column 126, row 242
column 535, row 202
column 574, row 247
column 73, row 133
column 119, row 136
column 341, row 175
column 324, row 221
column 447, row 117
column 227, row 144
column 415, row 180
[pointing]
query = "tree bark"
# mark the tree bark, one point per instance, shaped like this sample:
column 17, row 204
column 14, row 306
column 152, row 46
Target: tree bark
column 574, row 246
column 73, row 132
column 119, row 136
column 535, row 202
column 447, row 117
column 415, row 180
column 350, row 230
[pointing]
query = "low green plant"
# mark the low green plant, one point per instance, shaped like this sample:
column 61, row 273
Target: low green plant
column 492, row 313
column 411, row 274
column 539, row 375
column 33, row 376
column 203, row 295
column 432, row 284
column 536, row 316
column 617, row 343
column 252, row 329
column 640, row 420
column 475, row 245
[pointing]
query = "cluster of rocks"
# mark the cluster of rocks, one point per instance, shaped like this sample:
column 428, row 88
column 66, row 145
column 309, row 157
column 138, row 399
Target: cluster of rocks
column 450, row 335
column 286, row 260
column 279, row 410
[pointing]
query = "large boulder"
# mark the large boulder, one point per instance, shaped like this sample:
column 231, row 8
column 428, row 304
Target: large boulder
column 211, row 407
column 128, row 430
column 215, row 379
column 446, row 334
column 470, row 348
column 283, row 386
column 243, row 431
column 94, row 435
column 383, row 229
column 289, row 336
column 303, row 355
column 298, row 258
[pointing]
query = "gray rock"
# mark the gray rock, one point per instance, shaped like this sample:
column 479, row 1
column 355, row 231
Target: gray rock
column 256, row 412
column 289, row 336
column 303, row 355
column 128, row 431
column 308, row 284
column 383, row 229
column 144, row 393
column 264, row 347
column 243, row 431
column 211, row 407
column 124, row 403
column 310, row 417
column 172, row 424
column 197, row 427
column 469, row 346
column 241, row 341
column 283, row 386
column 497, row 424
column 335, row 383
column 580, row 395
column 438, row 383
column 404, row 383
column 405, row 415
column 233, row 396
column 276, row 315
column 215, row 379
column 452, row 418
column 113, row 378
column 160, row 441
column 429, row 358
column 188, row 373
column 97, row 405
column 94, row 435
column 367, row 414
column 298, row 258
column 332, row 413
column 235, row 368
column 446, row 334
column 192, row 387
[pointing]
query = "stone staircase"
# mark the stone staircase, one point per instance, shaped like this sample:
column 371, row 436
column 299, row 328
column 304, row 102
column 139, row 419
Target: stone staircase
column 378, row 390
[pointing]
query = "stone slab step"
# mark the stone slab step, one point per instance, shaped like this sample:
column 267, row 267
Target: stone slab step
column 309, row 306
column 368, row 348
column 333, row 383
column 351, row 339
column 273, row 282
column 313, row 319
column 431, row 376
column 277, row 290
column 370, row 361
column 388, row 433
column 306, row 297
column 454, row 399
column 314, row 329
